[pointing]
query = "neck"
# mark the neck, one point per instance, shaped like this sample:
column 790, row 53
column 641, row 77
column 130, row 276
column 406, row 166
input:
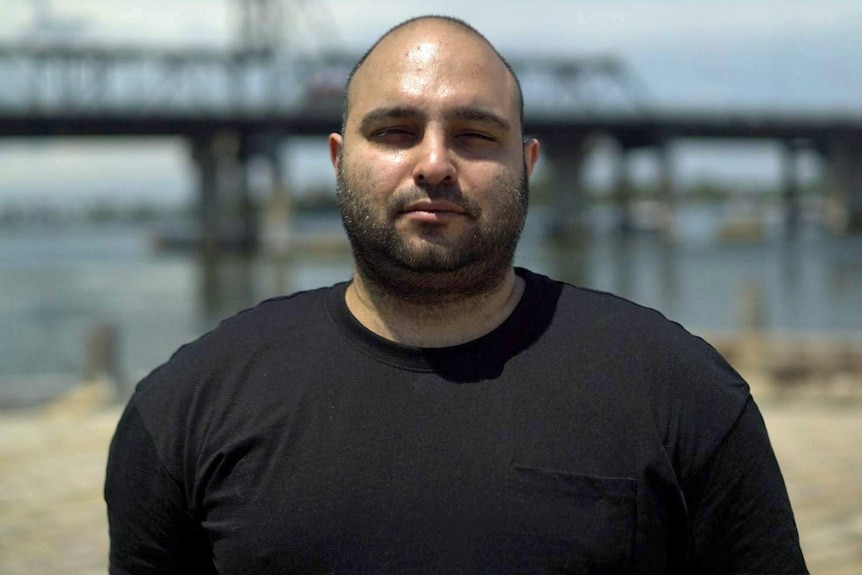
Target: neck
column 441, row 323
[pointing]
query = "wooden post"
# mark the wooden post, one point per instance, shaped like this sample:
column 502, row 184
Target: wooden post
column 100, row 356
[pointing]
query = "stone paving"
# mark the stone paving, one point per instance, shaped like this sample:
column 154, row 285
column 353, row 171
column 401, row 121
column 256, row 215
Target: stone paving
column 52, row 519
column 818, row 447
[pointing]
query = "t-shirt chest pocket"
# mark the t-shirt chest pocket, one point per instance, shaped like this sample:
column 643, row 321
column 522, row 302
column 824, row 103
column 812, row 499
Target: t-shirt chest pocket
column 560, row 522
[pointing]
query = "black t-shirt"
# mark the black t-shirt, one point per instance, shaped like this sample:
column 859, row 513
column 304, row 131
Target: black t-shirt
column 586, row 434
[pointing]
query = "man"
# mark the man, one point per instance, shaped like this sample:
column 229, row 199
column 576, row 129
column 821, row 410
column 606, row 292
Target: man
column 444, row 412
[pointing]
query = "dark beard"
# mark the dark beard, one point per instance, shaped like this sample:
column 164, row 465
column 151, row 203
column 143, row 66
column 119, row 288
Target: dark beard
column 442, row 270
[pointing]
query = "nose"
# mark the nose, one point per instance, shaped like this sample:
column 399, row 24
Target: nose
column 434, row 165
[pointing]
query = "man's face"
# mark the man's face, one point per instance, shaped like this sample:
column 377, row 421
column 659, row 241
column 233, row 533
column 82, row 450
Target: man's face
column 432, row 171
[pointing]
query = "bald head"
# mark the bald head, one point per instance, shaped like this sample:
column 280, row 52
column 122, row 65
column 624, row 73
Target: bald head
column 414, row 39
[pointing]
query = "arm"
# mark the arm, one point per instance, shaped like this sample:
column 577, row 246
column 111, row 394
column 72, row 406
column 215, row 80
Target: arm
column 740, row 514
column 150, row 525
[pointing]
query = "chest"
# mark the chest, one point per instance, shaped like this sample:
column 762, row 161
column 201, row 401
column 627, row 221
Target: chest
column 425, row 476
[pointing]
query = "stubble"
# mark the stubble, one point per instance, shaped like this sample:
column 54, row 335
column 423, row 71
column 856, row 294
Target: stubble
column 431, row 266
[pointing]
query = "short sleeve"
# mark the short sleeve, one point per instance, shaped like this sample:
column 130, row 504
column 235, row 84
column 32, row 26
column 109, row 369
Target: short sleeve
column 151, row 529
column 741, row 517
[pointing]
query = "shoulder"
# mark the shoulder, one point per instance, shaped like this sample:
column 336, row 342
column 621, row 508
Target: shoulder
column 271, row 319
column 210, row 366
column 227, row 378
column 691, row 395
column 268, row 323
column 679, row 361
column 611, row 323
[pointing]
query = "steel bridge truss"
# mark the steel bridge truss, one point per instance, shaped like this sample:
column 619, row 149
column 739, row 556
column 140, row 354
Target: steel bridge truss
column 95, row 79
column 101, row 80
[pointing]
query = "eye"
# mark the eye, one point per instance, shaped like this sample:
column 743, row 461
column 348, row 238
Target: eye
column 388, row 131
column 394, row 136
column 474, row 136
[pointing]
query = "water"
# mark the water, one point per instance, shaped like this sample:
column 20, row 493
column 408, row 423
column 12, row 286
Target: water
column 56, row 283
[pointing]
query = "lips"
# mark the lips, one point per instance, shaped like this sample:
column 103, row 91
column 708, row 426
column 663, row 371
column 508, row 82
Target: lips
column 434, row 207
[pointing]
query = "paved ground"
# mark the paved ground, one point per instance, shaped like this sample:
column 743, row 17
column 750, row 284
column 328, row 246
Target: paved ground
column 52, row 519
column 818, row 446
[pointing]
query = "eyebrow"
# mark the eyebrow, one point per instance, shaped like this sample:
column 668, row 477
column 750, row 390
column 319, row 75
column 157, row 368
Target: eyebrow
column 471, row 113
column 382, row 114
column 478, row 115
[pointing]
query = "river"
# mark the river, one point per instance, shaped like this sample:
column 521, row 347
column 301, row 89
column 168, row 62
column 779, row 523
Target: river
column 57, row 282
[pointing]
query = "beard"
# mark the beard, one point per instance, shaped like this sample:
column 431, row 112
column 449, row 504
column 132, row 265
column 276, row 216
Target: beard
column 429, row 264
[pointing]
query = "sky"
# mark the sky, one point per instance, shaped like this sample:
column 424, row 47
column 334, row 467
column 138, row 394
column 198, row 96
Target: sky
column 792, row 55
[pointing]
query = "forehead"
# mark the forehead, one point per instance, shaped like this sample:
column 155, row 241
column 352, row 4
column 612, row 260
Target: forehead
column 433, row 65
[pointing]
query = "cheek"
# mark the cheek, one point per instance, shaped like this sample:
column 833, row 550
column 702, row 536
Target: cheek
column 488, row 178
column 500, row 189
column 395, row 164
column 379, row 173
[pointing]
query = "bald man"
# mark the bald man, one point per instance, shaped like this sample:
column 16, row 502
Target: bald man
column 443, row 411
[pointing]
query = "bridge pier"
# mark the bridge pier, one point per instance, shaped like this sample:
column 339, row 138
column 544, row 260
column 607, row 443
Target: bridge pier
column 566, row 156
column 667, row 189
column 225, row 209
column 622, row 190
column 790, row 187
column 662, row 221
column 227, row 214
column 844, row 165
column 205, row 155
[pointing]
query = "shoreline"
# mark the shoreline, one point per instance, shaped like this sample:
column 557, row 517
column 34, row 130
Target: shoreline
column 810, row 364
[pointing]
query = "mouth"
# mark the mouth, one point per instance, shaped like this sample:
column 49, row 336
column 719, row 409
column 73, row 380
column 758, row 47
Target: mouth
column 433, row 209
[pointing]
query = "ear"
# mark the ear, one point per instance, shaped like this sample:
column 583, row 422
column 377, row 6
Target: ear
column 335, row 143
column 531, row 155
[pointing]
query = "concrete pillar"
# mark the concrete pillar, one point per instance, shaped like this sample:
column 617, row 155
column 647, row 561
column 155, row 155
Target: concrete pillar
column 844, row 165
column 667, row 185
column 854, row 201
column 791, row 187
column 276, row 211
column 221, row 185
column 622, row 191
column 566, row 156
column 245, row 212
column 206, row 163
column 225, row 208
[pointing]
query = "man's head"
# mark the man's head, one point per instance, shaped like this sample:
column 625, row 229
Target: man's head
column 439, row 19
column 431, row 163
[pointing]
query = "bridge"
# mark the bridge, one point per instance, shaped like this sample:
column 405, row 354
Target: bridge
column 235, row 107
